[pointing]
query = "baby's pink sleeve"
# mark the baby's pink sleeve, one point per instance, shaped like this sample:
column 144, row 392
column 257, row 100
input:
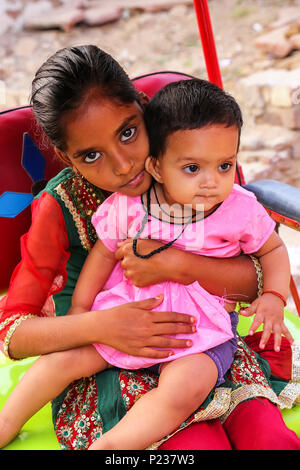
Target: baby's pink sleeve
column 258, row 229
column 109, row 224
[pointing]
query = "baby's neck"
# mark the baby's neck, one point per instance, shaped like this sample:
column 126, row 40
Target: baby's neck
column 163, row 207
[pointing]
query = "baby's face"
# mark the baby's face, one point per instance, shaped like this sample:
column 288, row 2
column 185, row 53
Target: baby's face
column 198, row 167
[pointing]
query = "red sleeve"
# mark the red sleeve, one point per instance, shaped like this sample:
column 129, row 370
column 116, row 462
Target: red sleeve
column 42, row 269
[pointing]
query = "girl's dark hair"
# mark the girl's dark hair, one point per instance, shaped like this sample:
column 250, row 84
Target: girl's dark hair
column 65, row 79
column 186, row 105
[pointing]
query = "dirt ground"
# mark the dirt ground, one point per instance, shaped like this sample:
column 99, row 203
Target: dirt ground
column 146, row 42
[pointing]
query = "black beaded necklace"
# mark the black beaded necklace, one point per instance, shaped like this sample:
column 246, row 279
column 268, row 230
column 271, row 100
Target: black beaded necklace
column 166, row 213
column 145, row 220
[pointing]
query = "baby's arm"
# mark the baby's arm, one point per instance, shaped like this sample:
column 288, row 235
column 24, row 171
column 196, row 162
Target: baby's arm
column 94, row 274
column 269, row 307
column 234, row 278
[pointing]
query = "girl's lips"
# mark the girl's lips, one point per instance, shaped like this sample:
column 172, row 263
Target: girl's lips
column 137, row 180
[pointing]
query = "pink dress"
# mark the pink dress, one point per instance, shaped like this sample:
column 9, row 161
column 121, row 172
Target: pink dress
column 240, row 223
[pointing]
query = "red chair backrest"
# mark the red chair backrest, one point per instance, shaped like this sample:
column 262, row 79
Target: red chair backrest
column 13, row 124
column 152, row 82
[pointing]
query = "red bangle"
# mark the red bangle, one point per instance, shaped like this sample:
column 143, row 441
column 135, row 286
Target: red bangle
column 275, row 293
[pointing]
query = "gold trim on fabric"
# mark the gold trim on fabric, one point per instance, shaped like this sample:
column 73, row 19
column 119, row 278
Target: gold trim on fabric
column 76, row 217
column 8, row 320
column 259, row 275
column 245, row 392
column 290, row 395
column 217, row 407
column 11, row 331
column 296, row 362
column 287, row 398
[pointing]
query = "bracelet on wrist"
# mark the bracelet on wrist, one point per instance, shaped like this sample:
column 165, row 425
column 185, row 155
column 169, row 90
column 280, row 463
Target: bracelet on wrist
column 259, row 274
column 274, row 292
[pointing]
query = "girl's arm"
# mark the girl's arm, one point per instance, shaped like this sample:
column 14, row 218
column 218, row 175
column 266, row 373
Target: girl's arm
column 134, row 328
column 234, row 278
column 269, row 307
column 27, row 328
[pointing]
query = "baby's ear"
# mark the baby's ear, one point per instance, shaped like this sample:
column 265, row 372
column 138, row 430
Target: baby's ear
column 153, row 167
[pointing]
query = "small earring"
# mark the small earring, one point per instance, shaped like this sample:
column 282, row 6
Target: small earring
column 78, row 174
column 143, row 98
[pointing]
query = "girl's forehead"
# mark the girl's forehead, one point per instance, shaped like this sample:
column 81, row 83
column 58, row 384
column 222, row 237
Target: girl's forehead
column 109, row 108
column 98, row 122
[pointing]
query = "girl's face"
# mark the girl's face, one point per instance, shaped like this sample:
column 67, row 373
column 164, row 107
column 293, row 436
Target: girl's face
column 108, row 144
column 198, row 167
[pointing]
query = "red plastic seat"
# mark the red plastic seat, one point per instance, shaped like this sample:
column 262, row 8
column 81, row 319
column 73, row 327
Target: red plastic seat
column 13, row 124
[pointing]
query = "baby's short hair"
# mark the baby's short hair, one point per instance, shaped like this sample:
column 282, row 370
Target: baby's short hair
column 187, row 105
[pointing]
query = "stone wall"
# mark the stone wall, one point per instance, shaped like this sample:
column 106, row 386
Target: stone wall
column 270, row 143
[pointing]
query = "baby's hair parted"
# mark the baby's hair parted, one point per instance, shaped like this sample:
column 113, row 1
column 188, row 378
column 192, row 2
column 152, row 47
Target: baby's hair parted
column 187, row 105
column 66, row 79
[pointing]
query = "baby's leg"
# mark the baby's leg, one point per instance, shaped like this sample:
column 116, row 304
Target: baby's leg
column 183, row 386
column 45, row 380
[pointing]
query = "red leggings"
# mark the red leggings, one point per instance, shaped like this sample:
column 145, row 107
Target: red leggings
column 256, row 424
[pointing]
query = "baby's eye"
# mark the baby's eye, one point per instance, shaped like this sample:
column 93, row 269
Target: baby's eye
column 128, row 134
column 92, row 157
column 191, row 169
column 225, row 166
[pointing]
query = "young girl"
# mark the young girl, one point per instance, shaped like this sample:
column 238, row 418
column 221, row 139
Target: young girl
column 89, row 109
column 185, row 380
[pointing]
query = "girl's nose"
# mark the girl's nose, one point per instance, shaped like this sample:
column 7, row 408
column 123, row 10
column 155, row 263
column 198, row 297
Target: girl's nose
column 122, row 163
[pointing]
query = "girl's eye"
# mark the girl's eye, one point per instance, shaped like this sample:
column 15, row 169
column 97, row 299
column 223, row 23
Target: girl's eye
column 225, row 167
column 128, row 134
column 191, row 169
column 92, row 157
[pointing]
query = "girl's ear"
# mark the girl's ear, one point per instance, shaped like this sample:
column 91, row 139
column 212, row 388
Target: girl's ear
column 153, row 167
column 62, row 156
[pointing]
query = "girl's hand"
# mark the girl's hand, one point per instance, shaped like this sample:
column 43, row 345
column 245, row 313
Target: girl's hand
column 137, row 330
column 268, row 309
column 158, row 268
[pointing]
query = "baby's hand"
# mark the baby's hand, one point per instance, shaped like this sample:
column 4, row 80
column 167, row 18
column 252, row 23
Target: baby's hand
column 268, row 309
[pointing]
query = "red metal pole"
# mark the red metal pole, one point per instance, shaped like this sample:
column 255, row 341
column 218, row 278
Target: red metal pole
column 208, row 42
